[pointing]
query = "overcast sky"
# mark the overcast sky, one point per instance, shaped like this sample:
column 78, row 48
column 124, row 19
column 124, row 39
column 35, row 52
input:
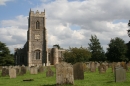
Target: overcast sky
column 69, row 23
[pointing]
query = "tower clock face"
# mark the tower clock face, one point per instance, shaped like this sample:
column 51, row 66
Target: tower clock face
column 37, row 36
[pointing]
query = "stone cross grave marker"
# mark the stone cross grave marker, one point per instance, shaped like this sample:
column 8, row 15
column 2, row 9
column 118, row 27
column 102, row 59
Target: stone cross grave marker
column 78, row 71
column 120, row 74
column 64, row 74
column 12, row 72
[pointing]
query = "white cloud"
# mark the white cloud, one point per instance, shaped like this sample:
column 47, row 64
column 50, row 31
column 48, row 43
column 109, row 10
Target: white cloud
column 94, row 17
column 14, row 32
column 3, row 2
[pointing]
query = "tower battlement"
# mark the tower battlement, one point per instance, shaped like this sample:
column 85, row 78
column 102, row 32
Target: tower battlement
column 37, row 13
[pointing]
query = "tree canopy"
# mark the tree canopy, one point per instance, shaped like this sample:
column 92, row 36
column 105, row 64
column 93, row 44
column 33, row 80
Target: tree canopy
column 96, row 50
column 5, row 57
column 116, row 50
column 73, row 55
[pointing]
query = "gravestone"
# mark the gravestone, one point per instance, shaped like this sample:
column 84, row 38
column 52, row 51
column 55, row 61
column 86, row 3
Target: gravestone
column 49, row 72
column 78, row 71
column 12, row 73
column 0, row 68
column 64, row 74
column 5, row 72
column 113, row 66
column 124, row 65
column 92, row 67
column 17, row 71
column 88, row 66
column 33, row 70
column 40, row 69
column 120, row 74
column 102, row 68
column 22, row 70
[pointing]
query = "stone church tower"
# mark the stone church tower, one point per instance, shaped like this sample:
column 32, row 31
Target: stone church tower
column 35, row 49
column 37, row 39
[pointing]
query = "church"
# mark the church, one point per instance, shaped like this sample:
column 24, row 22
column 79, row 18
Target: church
column 35, row 51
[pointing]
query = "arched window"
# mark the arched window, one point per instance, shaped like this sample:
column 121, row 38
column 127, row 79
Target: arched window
column 37, row 54
column 37, row 25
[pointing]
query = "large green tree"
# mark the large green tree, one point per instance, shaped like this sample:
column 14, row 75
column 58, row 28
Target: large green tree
column 96, row 50
column 116, row 50
column 5, row 57
column 73, row 55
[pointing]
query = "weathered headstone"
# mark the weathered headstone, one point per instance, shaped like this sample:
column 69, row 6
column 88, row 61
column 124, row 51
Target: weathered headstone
column 92, row 67
column 33, row 70
column 78, row 71
column 124, row 65
column 12, row 73
column 102, row 68
column 0, row 67
column 17, row 71
column 23, row 70
column 5, row 72
column 40, row 69
column 120, row 74
column 64, row 74
column 49, row 72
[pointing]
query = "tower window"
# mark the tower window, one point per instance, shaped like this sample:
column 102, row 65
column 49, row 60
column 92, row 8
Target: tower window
column 37, row 54
column 37, row 25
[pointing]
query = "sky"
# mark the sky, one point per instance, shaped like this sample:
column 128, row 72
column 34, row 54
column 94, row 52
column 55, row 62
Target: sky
column 69, row 23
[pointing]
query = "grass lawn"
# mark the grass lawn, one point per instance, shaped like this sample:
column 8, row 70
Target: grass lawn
column 90, row 79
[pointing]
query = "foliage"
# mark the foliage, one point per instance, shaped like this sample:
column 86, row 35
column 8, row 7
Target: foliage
column 57, row 45
column 5, row 57
column 116, row 50
column 95, row 48
column 128, row 50
column 73, row 55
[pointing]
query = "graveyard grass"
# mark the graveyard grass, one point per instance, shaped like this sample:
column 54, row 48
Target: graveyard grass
column 90, row 79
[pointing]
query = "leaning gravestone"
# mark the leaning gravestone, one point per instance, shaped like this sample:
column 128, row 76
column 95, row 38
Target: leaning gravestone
column 49, row 72
column 5, row 72
column 33, row 70
column 64, row 74
column 78, row 71
column 12, row 73
column 120, row 74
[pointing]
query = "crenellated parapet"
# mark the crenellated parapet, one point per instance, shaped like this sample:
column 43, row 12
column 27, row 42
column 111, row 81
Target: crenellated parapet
column 37, row 13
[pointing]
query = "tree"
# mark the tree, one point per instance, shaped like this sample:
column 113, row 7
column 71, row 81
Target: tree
column 96, row 50
column 73, row 55
column 5, row 57
column 116, row 50
column 128, row 50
